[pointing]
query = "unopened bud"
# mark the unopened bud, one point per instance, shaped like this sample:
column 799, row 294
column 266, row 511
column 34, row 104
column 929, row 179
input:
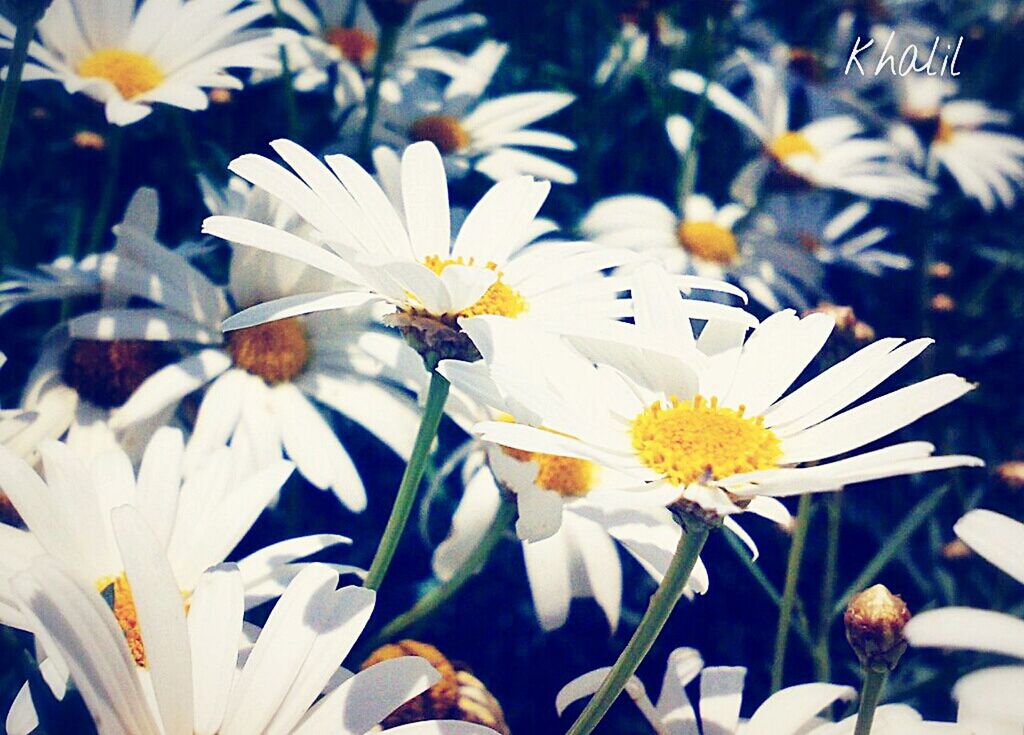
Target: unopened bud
column 457, row 696
column 219, row 96
column 87, row 140
column 941, row 270
column 1011, row 474
column 875, row 621
column 943, row 302
column 956, row 549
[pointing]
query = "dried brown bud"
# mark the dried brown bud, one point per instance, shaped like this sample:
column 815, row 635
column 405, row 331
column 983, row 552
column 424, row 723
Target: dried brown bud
column 1011, row 474
column 457, row 696
column 219, row 96
column 956, row 549
column 941, row 269
column 88, row 140
column 943, row 302
column 875, row 621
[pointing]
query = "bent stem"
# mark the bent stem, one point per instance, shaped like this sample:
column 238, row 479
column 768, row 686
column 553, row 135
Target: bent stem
column 23, row 34
column 438, row 596
column 437, row 394
column 288, row 87
column 822, row 662
column 870, row 694
column 106, row 203
column 385, row 49
column 660, row 607
column 796, row 555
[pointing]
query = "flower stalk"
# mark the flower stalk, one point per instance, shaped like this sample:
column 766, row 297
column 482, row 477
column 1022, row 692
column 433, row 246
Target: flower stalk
column 789, row 594
column 474, row 563
column 25, row 30
column 663, row 601
column 385, row 50
column 870, row 694
column 437, row 395
column 100, row 224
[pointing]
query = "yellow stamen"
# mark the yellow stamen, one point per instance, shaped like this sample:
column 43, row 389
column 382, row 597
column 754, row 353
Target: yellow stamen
column 568, row 476
column 792, row 144
column 444, row 131
column 119, row 595
column 355, row 44
column 500, row 299
column 132, row 73
column 276, row 351
column 696, row 440
column 708, row 241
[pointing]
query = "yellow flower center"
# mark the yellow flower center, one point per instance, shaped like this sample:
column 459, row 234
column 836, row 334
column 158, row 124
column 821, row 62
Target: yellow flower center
column 276, row 351
column 708, row 241
column 808, row 242
column 791, row 144
column 500, row 299
column 131, row 73
column 108, row 373
column 119, row 596
column 697, row 440
column 444, row 131
column 567, row 476
column 355, row 44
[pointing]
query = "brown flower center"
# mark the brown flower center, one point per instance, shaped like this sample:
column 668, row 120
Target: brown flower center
column 276, row 351
column 444, row 131
column 108, row 372
column 355, row 44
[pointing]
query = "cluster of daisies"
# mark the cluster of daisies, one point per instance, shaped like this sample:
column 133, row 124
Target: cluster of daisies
column 630, row 383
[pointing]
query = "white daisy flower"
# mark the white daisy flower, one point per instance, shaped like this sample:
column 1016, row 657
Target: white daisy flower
column 989, row 699
column 197, row 679
column 828, row 153
column 792, row 711
column 641, row 35
column 703, row 423
column 394, row 240
column 342, row 35
column 198, row 521
column 958, row 136
column 261, row 383
column 475, row 133
column 129, row 57
column 810, row 223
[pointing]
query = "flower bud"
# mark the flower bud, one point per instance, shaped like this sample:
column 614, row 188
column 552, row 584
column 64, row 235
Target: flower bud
column 457, row 696
column 20, row 11
column 875, row 621
column 943, row 303
column 1011, row 474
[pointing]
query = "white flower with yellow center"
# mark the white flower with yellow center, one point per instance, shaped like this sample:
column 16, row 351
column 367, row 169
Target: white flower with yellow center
column 989, row 699
column 203, row 676
column 705, row 423
column 792, row 711
column 394, row 241
column 131, row 56
column 343, row 35
column 475, row 133
column 262, row 384
column 829, row 152
column 698, row 237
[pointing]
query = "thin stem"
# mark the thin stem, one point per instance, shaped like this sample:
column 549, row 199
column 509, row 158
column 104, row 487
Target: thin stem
column 288, row 88
column 437, row 394
column 660, row 607
column 101, row 225
column 26, row 29
column 822, row 661
column 385, row 49
column 870, row 694
column 789, row 593
column 473, row 564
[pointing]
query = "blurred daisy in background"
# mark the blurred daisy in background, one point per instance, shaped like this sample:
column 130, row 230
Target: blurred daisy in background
column 262, row 384
column 989, row 699
column 643, row 32
column 958, row 136
column 474, row 132
column 163, row 51
column 342, row 36
column 810, row 222
column 288, row 680
column 791, row 711
column 704, row 423
column 698, row 237
column 828, row 153
column 394, row 239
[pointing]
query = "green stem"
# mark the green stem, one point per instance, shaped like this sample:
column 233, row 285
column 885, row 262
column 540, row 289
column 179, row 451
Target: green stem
column 290, row 104
column 437, row 394
column 660, row 607
column 101, row 225
column 789, row 593
column 473, row 564
column 870, row 694
column 386, row 47
column 26, row 29
column 822, row 659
